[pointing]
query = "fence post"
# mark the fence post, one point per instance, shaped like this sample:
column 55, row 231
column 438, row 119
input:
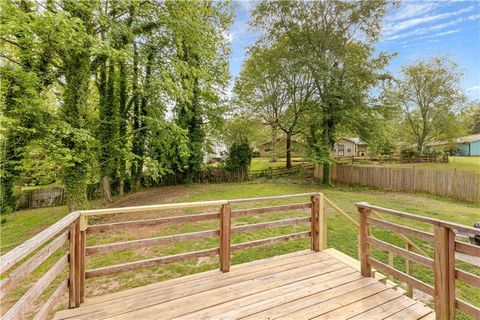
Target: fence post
column 71, row 266
column 82, row 247
column 225, row 226
column 444, row 273
column 364, row 247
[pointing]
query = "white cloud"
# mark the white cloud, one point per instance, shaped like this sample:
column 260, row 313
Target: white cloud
column 393, row 28
column 474, row 88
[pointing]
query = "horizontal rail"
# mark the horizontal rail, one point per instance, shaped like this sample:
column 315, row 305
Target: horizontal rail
column 271, row 224
column 92, row 273
column 14, row 256
column 400, row 229
column 28, row 266
column 432, row 221
column 412, row 256
column 98, row 228
column 182, row 205
column 468, row 308
column 286, row 207
column 466, row 248
column 467, row 277
column 290, row 196
column 268, row 241
column 402, row 276
column 334, row 206
column 54, row 299
column 24, row 304
column 150, row 242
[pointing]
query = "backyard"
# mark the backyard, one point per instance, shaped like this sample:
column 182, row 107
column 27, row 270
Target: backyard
column 342, row 235
column 471, row 164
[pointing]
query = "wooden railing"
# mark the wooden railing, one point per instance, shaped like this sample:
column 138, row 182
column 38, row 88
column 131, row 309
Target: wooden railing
column 69, row 235
column 442, row 263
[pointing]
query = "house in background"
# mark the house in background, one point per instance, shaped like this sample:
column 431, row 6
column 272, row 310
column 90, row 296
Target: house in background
column 297, row 148
column 349, row 147
column 468, row 145
column 215, row 151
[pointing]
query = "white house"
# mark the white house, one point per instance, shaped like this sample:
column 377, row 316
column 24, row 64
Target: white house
column 215, row 151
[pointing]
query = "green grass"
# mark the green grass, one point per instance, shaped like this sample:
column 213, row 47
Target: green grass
column 263, row 163
column 342, row 235
column 471, row 164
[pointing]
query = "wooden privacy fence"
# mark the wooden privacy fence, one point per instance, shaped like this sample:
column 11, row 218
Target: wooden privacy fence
column 456, row 184
column 442, row 264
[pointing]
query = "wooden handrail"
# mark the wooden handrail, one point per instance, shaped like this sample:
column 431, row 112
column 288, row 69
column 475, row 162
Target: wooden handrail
column 443, row 264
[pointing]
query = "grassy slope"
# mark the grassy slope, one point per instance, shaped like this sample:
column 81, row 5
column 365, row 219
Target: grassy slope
column 341, row 234
column 264, row 163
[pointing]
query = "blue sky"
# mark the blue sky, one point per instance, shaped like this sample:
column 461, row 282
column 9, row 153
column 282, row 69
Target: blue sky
column 417, row 29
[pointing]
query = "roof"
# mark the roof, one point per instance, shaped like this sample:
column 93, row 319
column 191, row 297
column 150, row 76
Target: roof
column 356, row 141
column 470, row 138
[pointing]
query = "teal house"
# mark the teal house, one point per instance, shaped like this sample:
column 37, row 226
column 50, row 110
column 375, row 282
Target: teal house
column 469, row 145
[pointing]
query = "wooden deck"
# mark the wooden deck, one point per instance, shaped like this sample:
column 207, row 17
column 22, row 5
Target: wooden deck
column 301, row 285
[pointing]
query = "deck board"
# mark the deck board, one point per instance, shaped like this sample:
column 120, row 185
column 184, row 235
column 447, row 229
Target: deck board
column 294, row 286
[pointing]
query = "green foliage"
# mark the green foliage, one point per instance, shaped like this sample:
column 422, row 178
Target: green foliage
column 239, row 156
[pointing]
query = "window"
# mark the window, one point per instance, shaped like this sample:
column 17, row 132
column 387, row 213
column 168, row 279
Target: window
column 341, row 147
column 349, row 150
column 340, row 153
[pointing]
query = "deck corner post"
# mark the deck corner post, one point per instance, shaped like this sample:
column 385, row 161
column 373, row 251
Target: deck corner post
column 444, row 254
column 225, row 228
column 72, row 283
column 363, row 246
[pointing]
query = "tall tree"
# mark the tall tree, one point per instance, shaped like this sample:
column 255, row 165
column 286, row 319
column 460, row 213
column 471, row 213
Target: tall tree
column 335, row 40
column 430, row 96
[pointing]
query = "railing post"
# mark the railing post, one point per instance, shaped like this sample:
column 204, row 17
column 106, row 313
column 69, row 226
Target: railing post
column 72, row 283
column 225, row 227
column 444, row 250
column 364, row 247
column 409, row 271
column 82, row 247
column 315, row 223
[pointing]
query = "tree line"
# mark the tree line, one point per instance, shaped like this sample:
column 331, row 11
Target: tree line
column 313, row 73
column 122, row 92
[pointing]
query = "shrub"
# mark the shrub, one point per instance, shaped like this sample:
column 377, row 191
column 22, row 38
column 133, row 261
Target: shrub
column 239, row 157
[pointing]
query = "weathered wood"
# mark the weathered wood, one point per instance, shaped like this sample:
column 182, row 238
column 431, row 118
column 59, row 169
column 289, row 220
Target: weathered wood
column 78, row 262
column 290, row 196
column 391, row 259
column 92, row 273
column 468, row 308
column 451, row 272
column 151, row 222
column 25, row 303
column 54, row 299
column 225, row 228
column 401, row 276
column 255, row 211
column 72, row 283
column 31, row 264
column 315, row 224
column 364, row 248
column 272, row 240
column 271, row 224
column 425, row 236
column 14, row 256
column 142, row 243
column 442, row 290
column 466, row 248
column 183, row 205
column 467, row 277
column 424, row 261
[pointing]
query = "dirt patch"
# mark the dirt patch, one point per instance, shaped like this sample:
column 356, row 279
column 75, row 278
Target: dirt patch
column 152, row 196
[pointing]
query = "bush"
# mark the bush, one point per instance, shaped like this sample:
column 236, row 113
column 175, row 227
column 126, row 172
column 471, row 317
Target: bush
column 239, row 157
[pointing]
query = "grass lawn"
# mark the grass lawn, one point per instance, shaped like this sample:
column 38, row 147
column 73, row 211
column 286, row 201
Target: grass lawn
column 341, row 234
column 263, row 163
column 471, row 164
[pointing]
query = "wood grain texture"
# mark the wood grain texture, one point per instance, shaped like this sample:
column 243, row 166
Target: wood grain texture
column 25, row 303
column 28, row 266
column 364, row 248
column 315, row 241
column 107, row 227
column 272, row 240
column 401, row 229
column 52, row 302
column 468, row 308
column 225, row 236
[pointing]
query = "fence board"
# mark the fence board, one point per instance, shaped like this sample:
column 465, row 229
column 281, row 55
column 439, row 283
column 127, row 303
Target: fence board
column 456, row 184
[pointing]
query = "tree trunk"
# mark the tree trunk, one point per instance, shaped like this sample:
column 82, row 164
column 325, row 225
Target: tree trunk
column 326, row 163
column 289, row 153
column 136, row 121
column 274, row 140
column 106, row 188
